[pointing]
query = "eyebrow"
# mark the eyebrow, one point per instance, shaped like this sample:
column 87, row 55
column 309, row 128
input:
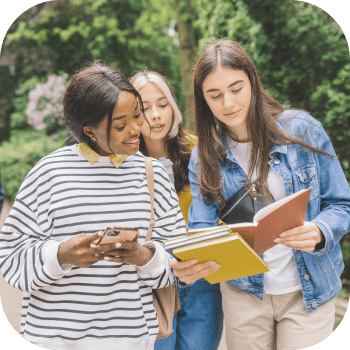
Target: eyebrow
column 124, row 116
column 159, row 99
column 234, row 83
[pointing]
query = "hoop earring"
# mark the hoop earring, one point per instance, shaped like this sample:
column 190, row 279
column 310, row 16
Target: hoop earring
column 93, row 139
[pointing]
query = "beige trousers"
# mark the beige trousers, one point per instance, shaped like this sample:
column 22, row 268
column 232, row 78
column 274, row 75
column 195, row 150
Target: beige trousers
column 278, row 322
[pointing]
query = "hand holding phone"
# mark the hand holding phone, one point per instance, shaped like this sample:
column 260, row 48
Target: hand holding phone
column 129, row 251
column 116, row 234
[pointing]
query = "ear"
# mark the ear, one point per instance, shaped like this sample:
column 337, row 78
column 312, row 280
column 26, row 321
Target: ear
column 89, row 131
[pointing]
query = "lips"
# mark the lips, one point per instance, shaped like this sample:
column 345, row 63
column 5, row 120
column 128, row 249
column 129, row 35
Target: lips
column 157, row 126
column 231, row 114
column 132, row 142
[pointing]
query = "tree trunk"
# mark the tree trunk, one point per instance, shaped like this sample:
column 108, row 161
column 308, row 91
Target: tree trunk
column 184, row 18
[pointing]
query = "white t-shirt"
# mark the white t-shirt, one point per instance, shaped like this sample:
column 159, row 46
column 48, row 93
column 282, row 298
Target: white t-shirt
column 283, row 276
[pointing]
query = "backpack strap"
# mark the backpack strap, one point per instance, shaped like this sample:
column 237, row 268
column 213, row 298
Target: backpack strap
column 150, row 184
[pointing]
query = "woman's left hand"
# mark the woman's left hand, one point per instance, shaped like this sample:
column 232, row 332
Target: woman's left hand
column 128, row 252
column 189, row 271
column 303, row 237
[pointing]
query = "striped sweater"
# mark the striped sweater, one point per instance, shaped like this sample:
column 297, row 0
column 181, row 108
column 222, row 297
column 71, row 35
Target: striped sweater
column 107, row 305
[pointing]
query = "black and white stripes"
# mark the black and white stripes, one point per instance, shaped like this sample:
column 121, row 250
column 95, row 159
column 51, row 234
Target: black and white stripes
column 106, row 304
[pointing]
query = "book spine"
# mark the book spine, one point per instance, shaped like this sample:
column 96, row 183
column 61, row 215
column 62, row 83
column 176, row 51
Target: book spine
column 170, row 251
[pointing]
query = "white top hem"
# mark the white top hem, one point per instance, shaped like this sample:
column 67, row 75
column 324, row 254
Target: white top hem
column 105, row 344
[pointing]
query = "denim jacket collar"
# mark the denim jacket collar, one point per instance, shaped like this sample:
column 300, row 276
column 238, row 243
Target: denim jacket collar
column 278, row 149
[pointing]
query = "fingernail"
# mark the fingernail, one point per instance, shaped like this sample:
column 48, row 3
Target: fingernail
column 97, row 254
column 93, row 245
column 100, row 233
column 106, row 258
column 118, row 245
column 217, row 266
column 277, row 240
column 283, row 234
column 194, row 261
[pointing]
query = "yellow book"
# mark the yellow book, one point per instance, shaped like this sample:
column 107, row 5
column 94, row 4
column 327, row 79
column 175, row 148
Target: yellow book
column 232, row 252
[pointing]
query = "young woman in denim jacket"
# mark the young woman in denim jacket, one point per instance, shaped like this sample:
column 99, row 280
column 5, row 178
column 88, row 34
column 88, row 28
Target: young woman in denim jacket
column 245, row 137
column 165, row 137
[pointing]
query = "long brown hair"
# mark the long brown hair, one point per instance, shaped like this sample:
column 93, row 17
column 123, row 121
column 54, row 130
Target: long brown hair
column 177, row 144
column 92, row 95
column 262, row 128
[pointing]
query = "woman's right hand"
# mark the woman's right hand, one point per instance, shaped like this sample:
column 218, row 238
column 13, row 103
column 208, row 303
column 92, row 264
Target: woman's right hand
column 82, row 251
column 189, row 271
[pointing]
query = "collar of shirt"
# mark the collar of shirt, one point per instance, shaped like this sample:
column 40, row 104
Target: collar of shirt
column 91, row 156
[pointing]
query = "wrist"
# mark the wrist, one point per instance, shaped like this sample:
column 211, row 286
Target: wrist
column 320, row 235
column 62, row 254
column 321, row 241
column 146, row 254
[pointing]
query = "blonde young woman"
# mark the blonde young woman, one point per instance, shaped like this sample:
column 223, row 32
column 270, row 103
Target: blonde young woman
column 198, row 324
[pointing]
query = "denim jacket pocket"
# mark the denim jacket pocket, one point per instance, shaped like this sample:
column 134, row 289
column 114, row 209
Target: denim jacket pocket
column 307, row 178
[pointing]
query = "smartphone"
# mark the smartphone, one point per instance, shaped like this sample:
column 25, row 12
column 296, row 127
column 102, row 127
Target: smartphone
column 115, row 234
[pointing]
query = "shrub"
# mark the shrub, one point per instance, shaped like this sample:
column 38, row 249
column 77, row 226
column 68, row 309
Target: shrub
column 37, row 129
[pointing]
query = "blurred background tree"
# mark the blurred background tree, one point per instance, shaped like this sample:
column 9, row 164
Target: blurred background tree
column 299, row 50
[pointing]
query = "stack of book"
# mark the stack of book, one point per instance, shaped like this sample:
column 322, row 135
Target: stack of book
column 238, row 247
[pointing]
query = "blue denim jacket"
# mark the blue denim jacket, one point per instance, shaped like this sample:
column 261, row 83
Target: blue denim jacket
column 329, row 204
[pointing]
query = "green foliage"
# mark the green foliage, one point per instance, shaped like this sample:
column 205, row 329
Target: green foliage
column 332, row 107
column 24, row 32
column 119, row 32
column 27, row 145
column 300, row 52
column 18, row 119
column 63, row 35
column 20, row 154
column 343, row 294
column 226, row 19
column 345, row 248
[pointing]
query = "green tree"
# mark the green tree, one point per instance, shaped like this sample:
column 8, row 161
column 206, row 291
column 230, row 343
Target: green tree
column 59, row 37
column 185, row 18
column 300, row 52
column 63, row 35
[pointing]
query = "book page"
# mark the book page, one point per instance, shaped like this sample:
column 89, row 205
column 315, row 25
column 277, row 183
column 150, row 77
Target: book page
column 196, row 237
column 246, row 230
column 206, row 243
column 273, row 206
column 284, row 215
column 232, row 226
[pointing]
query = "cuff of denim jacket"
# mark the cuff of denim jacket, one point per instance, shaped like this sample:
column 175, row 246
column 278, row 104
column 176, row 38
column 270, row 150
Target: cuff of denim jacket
column 181, row 284
column 328, row 243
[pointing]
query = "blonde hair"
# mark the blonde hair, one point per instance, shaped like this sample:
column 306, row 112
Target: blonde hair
column 145, row 78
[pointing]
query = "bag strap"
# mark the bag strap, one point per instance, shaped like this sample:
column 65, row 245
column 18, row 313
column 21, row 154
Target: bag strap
column 150, row 184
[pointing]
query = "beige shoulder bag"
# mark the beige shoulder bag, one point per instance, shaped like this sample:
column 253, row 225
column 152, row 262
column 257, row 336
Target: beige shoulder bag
column 166, row 300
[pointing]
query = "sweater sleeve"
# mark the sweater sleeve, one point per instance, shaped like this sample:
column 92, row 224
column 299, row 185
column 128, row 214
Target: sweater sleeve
column 26, row 258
